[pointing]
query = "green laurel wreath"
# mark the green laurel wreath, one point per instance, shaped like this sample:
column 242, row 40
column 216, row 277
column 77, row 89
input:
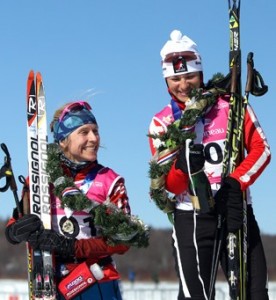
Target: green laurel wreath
column 113, row 224
column 174, row 137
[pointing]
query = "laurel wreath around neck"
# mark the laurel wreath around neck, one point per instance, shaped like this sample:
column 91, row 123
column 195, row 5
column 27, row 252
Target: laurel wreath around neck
column 175, row 136
column 112, row 223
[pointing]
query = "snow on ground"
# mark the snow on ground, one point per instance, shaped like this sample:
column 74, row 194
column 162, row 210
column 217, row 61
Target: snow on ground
column 18, row 290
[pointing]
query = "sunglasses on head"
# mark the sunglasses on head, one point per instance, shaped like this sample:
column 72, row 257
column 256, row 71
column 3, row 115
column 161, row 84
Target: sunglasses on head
column 187, row 55
column 74, row 106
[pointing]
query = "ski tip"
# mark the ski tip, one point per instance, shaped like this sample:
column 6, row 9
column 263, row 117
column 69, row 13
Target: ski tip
column 38, row 75
column 31, row 74
column 30, row 84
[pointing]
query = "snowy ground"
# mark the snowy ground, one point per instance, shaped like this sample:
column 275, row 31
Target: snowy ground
column 18, row 290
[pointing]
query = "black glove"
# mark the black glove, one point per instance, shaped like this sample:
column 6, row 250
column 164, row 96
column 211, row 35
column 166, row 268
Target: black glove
column 229, row 202
column 22, row 228
column 49, row 240
column 196, row 158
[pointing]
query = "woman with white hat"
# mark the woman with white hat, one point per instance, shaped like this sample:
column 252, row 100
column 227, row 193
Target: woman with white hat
column 194, row 214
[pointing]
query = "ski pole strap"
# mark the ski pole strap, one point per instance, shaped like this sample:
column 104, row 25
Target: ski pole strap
column 255, row 83
column 258, row 88
column 3, row 173
column 5, row 170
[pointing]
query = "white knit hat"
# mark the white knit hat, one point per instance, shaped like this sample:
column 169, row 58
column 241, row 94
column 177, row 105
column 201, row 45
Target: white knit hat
column 180, row 55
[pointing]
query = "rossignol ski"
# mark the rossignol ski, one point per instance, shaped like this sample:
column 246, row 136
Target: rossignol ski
column 41, row 263
column 233, row 155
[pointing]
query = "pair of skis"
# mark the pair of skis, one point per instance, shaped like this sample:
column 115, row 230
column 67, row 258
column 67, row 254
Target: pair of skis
column 233, row 155
column 40, row 263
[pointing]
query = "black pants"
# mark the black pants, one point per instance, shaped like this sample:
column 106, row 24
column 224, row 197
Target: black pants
column 193, row 241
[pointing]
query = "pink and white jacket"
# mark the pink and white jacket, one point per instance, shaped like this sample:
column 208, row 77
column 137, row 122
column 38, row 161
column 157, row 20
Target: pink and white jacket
column 105, row 184
column 211, row 132
column 89, row 247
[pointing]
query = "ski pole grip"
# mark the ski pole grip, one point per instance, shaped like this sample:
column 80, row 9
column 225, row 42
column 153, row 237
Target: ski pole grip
column 234, row 79
column 250, row 72
column 5, row 168
column 6, row 171
column 9, row 172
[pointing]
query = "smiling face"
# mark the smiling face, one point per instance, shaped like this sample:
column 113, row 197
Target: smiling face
column 82, row 144
column 181, row 85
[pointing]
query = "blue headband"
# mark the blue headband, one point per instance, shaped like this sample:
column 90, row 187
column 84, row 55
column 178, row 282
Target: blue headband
column 71, row 121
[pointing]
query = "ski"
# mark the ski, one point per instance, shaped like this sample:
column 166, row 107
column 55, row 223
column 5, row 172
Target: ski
column 35, row 287
column 49, row 291
column 234, row 153
column 236, row 242
column 41, row 264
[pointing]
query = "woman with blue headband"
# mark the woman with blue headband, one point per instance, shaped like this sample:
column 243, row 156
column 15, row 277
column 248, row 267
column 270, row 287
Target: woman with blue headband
column 80, row 188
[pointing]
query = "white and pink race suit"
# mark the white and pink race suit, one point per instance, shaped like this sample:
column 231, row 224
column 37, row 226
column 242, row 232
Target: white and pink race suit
column 99, row 184
column 194, row 233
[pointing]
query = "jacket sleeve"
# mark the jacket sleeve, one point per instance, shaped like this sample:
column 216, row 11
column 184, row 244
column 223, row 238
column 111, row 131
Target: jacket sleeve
column 258, row 152
column 96, row 248
column 155, row 128
column 7, row 231
column 176, row 181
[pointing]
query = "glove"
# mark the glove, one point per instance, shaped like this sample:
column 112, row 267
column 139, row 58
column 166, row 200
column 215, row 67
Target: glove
column 196, row 158
column 229, row 202
column 49, row 240
column 22, row 228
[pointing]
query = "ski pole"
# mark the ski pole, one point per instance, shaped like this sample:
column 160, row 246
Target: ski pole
column 6, row 171
column 216, row 254
column 230, row 153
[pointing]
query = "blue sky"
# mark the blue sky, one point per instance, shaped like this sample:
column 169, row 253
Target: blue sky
column 107, row 52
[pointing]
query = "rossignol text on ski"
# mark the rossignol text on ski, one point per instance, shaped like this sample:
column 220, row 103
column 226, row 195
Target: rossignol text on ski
column 41, row 267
